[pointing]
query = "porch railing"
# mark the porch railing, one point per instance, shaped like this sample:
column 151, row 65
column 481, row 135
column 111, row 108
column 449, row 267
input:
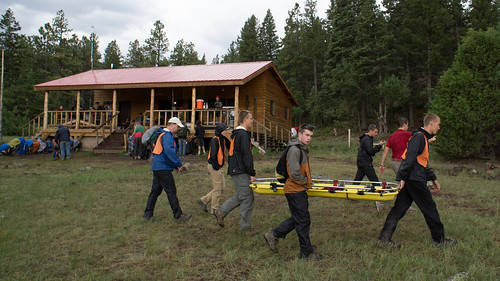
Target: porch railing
column 89, row 119
column 109, row 124
column 208, row 117
column 278, row 131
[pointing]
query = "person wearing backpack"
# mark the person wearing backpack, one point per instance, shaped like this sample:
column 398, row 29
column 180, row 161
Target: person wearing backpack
column 295, row 188
column 165, row 160
column 182, row 139
column 240, row 167
column 216, row 157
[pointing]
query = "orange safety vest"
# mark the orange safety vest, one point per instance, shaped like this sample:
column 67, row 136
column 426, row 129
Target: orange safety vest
column 220, row 153
column 231, row 147
column 422, row 158
column 159, row 146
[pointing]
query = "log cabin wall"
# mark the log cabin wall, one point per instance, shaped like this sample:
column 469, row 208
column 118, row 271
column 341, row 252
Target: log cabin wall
column 282, row 103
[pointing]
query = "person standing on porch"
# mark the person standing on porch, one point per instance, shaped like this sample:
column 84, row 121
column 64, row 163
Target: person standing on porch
column 165, row 160
column 240, row 167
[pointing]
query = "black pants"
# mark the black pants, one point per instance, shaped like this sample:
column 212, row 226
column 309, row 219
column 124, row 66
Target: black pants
column 367, row 171
column 138, row 147
column 414, row 191
column 300, row 221
column 163, row 179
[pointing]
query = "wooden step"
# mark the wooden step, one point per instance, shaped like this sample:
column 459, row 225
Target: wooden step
column 107, row 151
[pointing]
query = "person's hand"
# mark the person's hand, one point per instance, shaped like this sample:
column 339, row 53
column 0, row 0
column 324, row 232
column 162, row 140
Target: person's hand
column 181, row 169
column 436, row 187
column 253, row 179
column 433, row 139
column 381, row 143
column 401, row 185
column 381, row 169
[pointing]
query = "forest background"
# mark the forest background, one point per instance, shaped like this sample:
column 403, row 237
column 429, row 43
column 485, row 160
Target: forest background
column 362, row 64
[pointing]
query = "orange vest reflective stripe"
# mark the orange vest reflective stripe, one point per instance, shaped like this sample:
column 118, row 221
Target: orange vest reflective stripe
column 220, row 153
column 422, row 158
column 159, row 146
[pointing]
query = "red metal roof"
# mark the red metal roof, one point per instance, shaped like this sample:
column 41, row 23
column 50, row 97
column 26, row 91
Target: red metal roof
column 239, row 73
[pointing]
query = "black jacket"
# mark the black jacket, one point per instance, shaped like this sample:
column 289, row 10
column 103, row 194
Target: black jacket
column 199, row 131
column 410, row 169
column 366, row 151
column 62, row 134
column 214, row 149
column 241, row 162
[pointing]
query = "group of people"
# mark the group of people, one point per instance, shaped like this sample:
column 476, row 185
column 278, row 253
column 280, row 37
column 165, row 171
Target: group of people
column 412, row 175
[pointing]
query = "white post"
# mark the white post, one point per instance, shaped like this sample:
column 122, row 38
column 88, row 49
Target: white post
column 349, row 138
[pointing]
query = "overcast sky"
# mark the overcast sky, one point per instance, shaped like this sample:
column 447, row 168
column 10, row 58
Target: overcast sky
column 211, row 25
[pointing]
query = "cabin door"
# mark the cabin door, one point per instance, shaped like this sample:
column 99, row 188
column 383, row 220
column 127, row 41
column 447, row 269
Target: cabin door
column 124, row 115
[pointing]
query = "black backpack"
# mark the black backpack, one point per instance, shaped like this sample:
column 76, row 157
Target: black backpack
column 281, row 170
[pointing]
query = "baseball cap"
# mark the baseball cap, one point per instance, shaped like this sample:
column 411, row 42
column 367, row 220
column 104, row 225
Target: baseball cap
column 176, row 120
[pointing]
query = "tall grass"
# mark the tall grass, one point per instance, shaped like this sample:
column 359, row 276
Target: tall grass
column 82, row 220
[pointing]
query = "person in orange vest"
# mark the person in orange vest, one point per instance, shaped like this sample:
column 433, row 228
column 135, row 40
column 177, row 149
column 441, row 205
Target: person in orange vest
column 295, row 188
column 242, row 172
column 165, row 160
column 413, row 175
column 216, row 160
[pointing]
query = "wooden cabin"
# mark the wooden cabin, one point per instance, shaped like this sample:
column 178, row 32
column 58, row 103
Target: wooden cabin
column 153, row 95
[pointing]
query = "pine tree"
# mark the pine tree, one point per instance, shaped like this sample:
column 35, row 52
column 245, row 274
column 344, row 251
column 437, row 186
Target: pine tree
column 268, row 37
column 135, row 56
column 249, row 46
column 112, row 56
column 157, row 45
column 184, row 54
column 484, row 13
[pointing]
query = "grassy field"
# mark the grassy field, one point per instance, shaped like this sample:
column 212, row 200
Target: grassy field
column 82, row 220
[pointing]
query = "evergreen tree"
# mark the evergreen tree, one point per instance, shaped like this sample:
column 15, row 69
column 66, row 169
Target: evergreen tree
column 184, row 54
column 268, row 37
column 249, row 46
column 112, row 56
column 135, row 56
column 9, row 42
column 157, row 45
column 233, row 54
column 484, row 13
column 468, row 98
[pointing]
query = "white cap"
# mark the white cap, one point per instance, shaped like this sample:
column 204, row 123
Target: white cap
column 176, row 120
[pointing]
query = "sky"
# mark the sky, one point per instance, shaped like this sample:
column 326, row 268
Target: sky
column 211, row 25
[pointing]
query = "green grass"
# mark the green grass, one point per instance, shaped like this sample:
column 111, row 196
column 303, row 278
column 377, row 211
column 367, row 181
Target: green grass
column 82, row 220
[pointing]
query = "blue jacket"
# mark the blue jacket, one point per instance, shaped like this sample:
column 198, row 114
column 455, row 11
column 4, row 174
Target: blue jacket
column 168, row 159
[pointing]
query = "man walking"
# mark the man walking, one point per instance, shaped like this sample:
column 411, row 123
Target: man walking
column 413, row 175
column 240, row 167
column 165, row 160
column 397, row 142
column 295, row 189
column 63, row 138
column 216, row 159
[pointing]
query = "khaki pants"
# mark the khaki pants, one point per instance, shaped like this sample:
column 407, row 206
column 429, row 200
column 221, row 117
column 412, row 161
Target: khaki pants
column 395, row 166
column 219, row 184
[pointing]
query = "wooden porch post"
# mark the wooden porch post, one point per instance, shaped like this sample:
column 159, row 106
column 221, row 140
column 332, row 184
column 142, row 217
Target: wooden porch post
column 236, row 106
column 77, row 125
column 151, row 108
column 45, row 110
column 113, row 122
column 193, row 107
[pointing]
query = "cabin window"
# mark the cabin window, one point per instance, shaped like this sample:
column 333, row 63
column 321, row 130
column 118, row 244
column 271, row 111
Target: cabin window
column 287, row 113
column 273, row 108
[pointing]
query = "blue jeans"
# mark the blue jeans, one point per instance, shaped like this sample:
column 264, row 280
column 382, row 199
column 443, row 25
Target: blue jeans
column 65, row 149
column 182, row 147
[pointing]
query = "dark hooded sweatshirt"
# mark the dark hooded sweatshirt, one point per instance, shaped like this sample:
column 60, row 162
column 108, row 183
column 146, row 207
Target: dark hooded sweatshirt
column 366, row 151
column 241, row 162
column 410, row 169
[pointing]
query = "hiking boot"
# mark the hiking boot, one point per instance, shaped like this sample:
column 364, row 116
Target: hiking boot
column 388, row 244
column 271, row 241
column 220, row 218
column 446, row 243
column 183, row 217
column 202, row 205
column 147, row 218
column 312, row 257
